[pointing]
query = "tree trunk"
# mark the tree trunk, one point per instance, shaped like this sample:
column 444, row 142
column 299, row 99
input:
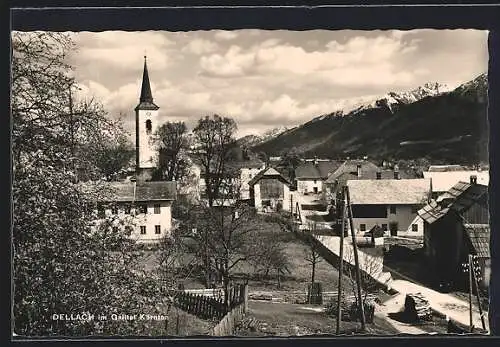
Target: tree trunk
column 313, row 272
column 279, row 280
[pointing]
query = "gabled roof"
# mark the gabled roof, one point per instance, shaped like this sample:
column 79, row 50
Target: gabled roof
column 389, row 192
column 316, row 171
column 350, row 168
column 442, row 181
column 479, row 236
column 459, row 198
column 342, row 179
column 269, row 173
column 139, row 191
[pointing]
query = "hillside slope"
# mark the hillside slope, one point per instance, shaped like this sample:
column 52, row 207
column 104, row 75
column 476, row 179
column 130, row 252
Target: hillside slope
column 449, row 126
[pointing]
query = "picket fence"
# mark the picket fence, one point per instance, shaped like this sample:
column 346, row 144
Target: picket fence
column 206, row 307
column 226, row 327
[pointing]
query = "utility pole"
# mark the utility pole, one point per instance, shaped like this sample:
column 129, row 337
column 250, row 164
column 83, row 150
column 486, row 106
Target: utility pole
column 476, row 282
column 341, row 261
column 470, row 292
column 356, row 261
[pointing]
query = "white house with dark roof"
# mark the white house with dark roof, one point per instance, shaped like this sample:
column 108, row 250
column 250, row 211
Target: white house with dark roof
column 144, row 205
column 311, row 174
column 270, row 191
column 391, row 204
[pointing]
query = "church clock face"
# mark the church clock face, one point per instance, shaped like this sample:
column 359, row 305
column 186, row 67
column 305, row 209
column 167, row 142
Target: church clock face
column 148, row 114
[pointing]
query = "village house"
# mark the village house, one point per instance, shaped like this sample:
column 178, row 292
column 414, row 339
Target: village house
column 311, row 174
column 442, row 180
column 140, row 205
column 142, row 209
column 358, row 169
column 456, row 225
column 391, row 204
column 270, row 191
column 238, row 176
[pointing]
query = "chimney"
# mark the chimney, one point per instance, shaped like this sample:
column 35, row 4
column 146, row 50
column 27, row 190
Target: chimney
column 379, row 175
column 315, row 161
column 473, row 179
column 359, row 170
column 396, row 172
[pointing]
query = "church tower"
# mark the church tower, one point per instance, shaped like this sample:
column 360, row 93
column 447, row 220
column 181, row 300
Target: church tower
column 146, row 123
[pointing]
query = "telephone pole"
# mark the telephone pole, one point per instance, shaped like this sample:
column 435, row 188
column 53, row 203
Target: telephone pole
column 476, row 275
column 341, row 261
column 356, row 261
column 470, row 292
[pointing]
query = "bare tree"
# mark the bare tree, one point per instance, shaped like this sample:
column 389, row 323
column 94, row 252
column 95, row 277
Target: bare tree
column 312, row 256
column 214, row 137
column 224, row 238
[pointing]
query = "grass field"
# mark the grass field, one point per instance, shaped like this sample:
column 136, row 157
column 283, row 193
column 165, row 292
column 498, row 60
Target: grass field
column 284, row 319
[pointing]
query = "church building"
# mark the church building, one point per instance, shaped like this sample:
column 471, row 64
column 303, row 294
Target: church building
column 146, row 205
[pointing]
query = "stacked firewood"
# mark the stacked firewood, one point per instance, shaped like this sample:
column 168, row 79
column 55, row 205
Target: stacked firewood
column 417, row 307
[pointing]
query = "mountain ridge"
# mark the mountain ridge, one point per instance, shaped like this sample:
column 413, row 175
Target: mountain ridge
column 393, row 125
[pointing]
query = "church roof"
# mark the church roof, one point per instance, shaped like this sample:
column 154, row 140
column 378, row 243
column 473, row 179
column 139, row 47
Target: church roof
column 146, row 98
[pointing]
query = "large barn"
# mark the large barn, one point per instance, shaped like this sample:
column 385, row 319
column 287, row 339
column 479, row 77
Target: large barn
column 456, row 225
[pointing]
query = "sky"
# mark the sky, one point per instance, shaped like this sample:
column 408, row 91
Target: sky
column 268, row 79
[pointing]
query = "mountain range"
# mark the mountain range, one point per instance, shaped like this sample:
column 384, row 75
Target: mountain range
column 431, row 121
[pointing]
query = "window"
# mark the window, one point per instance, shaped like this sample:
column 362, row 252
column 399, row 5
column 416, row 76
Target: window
column 115, row 230
column 143, row 229
column 149, row 126
column 414, row 227
column 362, row 227
column 392, row 209
column 384, row 227
column 143, row 208
column 128, row 209
column 114, row 210
column 315, row 181
column 157, row 208
column 157, row 229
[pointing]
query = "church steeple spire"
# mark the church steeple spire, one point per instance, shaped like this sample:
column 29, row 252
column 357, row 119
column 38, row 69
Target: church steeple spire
column 146, row 98
column 146, row 95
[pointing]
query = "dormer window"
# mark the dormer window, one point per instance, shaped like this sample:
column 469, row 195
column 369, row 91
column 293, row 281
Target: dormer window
column 149, row 126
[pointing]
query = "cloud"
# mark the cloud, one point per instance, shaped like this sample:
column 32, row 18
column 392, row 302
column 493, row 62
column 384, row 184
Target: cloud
column 200, row 46
column 226, row 35
column 264, row 79
column 122, row 49
column 366, row 60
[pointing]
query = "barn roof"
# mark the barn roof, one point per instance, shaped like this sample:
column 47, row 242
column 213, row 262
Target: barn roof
column 317, row 171
column 393, row 192
column 442, row 181
column 139, row 191
column 459, row 198
column 269, row 173
column 479, row 236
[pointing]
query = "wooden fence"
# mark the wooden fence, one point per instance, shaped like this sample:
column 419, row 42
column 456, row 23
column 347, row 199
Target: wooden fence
column 226, row 327
column 206, row 307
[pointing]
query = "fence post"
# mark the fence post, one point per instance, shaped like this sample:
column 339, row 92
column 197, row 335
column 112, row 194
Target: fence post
column 245, row 298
